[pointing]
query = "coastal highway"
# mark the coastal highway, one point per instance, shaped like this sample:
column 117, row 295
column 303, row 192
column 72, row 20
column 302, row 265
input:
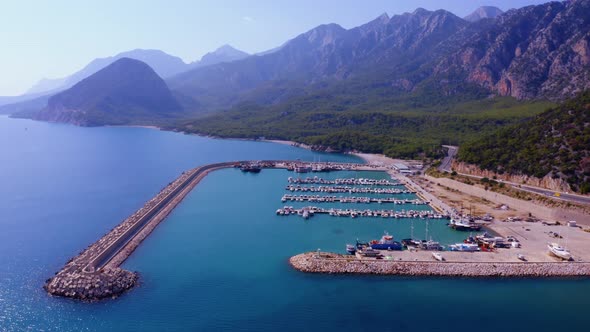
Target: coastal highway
column 550, row 193
column 445, row 165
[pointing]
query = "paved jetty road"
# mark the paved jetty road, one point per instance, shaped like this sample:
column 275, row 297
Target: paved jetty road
column 445, row 165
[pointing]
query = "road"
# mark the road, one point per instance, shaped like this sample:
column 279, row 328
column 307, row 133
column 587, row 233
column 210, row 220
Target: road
column 541, row 191
column 445, row 165
column 551, row 193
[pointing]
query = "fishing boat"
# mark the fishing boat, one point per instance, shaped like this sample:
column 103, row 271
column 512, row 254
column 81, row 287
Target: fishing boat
column 463, row 224
column 386, row 243
column 411, row 243
column 438, row 256
column 252, row 168
column 428, row 244
column 559, row 251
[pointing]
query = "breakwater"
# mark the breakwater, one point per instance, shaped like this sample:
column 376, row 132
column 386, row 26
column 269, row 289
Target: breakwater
column 95, row 273
column 345, row 264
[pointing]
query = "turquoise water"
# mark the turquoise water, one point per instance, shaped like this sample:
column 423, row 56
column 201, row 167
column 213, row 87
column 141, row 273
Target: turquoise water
column 219, row 262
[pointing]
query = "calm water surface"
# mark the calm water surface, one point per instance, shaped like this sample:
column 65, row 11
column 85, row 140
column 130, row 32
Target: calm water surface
column 219, row 262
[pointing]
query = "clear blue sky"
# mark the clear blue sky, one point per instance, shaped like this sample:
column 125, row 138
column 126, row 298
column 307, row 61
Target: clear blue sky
column 43, row 38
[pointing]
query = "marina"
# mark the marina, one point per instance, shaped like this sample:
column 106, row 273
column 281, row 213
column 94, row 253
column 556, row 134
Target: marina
column 96, row 274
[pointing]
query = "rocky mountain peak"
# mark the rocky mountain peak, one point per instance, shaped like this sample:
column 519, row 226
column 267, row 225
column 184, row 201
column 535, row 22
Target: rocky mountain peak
column 483, row 12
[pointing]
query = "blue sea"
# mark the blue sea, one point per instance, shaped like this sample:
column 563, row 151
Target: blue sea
column 220, row 261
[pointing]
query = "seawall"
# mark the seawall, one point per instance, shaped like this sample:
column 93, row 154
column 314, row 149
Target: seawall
column 346, row 264
column 95, row 273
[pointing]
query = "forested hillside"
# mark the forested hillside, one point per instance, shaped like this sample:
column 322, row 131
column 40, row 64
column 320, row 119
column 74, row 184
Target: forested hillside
column 554, row 143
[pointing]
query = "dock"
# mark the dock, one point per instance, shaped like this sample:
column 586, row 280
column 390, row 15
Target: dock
column 347, row 189
column 310, row 211
column 348, row 181
column 346, row 199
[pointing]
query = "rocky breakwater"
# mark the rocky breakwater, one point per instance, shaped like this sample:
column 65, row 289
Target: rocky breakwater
column 335, row 263
column 94, row 274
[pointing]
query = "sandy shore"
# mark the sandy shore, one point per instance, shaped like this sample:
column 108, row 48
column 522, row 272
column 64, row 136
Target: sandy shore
column 291, row 143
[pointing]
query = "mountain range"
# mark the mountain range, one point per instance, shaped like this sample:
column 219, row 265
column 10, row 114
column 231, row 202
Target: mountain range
column 535, row 52
column 399, row 85
column 165, row 65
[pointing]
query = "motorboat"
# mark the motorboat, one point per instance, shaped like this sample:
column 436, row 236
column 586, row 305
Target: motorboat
column 350, row 249
column 559, row 251
column 438, row 256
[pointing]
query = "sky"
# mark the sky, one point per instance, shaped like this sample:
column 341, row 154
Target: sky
column 55, row 38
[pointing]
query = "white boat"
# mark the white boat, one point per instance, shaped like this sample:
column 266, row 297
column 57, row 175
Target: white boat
column 470, row 247
column 559, row 251
column 438, row 256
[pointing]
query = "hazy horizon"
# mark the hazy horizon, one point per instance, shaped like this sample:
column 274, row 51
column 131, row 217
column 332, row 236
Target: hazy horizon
column 59, row 38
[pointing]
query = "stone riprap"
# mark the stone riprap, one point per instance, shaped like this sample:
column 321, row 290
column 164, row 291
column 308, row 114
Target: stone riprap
column 345, row 264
